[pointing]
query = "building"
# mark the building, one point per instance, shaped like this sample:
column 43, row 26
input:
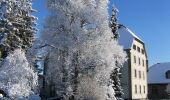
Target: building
column 134, row 71
column 158, row 79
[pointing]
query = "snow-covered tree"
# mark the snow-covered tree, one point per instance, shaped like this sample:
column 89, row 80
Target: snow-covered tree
column 115, row 76
column 18, row 79
column 79, row 65
column 16, row 25
column 114, row 23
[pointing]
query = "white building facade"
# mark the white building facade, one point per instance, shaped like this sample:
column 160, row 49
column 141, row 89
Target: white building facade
column 134, row 71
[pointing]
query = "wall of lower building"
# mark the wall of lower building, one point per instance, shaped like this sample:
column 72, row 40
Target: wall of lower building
column 157, row 91
column 125, row 80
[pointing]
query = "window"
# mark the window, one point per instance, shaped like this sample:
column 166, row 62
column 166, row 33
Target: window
column 143, row 62
column 138, row 49
column 139, row 61
column 143, row 52
column 139, row 74
column 134, row 47
column 140, row 89
column 136, row 89
column 144, row 89
column 134, row 59
column 143, row 75
column 168, row 74
column 135, row 73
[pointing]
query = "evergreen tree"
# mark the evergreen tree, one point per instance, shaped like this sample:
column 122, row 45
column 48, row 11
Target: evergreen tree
column 82, row 53
column 16, row 25
column 18, row 78
column 113, row 23
column 115, row 76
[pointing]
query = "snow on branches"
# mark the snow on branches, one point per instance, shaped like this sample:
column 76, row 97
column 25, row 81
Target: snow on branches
column 16, row 25
column 85, row 49
column 17, row 77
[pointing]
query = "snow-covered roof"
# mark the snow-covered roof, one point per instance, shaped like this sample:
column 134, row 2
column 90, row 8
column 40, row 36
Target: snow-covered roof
column 126, row 37
column 157, row 73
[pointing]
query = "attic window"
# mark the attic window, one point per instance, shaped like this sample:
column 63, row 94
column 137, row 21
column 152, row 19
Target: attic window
column 143, row 51
column 138, row 49
column 168, row 74
column 134, row 47
column 136, row 89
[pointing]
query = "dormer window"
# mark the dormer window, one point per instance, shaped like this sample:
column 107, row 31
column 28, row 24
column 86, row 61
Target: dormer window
column 168, row 74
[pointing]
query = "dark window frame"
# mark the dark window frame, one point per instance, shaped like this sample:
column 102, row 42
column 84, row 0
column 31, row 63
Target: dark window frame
column 139, row 60
column 143, row 51
column 143, row 63
column 135, row 59
column 144, row 89
column 136, row 90
column 140, row 74
column 168, row 74
column 134, row 47
column 140, row 89
column 135, row 74
column 138, row 48
column 143, row 75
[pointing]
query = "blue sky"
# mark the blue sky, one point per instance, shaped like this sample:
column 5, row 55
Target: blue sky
column 149, row 19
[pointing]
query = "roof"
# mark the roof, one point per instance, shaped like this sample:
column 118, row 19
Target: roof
column 157, row 73
column 126, row 37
